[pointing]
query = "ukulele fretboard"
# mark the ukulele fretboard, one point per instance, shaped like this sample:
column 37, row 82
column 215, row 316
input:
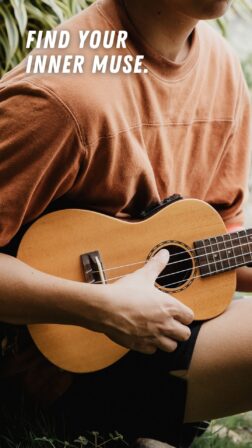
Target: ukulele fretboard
column 224, row 252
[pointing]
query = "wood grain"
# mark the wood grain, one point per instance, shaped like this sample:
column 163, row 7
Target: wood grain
column 54, row 243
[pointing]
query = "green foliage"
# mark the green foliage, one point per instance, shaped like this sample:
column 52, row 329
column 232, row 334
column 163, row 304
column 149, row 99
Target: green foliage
column 228, row 432
column 239, row 8
column 247, row 69
column 31, row 428
column 17, row 17
column 93, row 439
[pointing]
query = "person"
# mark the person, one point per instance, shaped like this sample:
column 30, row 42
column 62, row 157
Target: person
column 117, row 144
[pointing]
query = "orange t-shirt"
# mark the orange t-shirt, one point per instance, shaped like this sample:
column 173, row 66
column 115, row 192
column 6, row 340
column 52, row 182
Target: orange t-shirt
column 118, row 142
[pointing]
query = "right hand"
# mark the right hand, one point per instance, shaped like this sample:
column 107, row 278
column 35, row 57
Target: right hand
column 141, row 317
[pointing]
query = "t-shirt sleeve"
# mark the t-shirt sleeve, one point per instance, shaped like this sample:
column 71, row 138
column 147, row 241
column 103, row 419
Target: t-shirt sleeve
column 40, row 150
column 229, row 190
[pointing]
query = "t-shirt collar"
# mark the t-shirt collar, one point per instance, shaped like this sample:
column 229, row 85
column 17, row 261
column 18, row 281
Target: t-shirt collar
column 116, row 14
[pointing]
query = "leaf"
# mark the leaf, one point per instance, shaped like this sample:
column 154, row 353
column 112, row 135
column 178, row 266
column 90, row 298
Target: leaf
column 55, row 8
column 12, row 32
column 3, row 49
column 20, row 14
column 222, row 26
column 73, row 6
column 46, row 20
column 65, row 8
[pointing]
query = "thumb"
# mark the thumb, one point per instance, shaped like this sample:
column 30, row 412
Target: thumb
column 156, row 264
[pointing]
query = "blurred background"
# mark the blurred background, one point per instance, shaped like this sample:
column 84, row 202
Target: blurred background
column 16, row 18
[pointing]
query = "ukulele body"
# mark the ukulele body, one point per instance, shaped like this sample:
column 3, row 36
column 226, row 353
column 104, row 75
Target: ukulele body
column 55, row 243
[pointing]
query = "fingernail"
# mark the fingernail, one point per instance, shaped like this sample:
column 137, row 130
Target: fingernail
column 164, row 254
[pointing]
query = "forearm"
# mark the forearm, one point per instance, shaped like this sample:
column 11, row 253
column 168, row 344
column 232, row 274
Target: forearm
column 244, row 279
column 30, row 296
column 132, row 311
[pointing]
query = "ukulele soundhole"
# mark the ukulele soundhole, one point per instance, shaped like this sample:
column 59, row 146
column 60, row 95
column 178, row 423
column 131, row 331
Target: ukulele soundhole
column 177, row 275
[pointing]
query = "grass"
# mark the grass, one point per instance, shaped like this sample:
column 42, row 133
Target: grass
column 233, row 432
column 21, row 430
column 229, row 432
column 34, row 429
column 91, row 440
column 23, row 425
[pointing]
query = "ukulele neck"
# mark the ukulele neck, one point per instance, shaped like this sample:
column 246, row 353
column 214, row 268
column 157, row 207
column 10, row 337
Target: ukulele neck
column 224, row 252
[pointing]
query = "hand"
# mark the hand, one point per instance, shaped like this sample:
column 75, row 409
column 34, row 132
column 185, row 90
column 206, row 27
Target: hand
column 143, row 318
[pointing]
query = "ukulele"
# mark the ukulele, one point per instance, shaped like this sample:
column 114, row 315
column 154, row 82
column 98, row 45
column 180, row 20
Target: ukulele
column 87, row 246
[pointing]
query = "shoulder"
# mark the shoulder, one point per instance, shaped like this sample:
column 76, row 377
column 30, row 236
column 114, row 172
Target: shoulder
column 212, row 40
column 33, row 108
column 83, row 96
column 217, row 51
column 221, row 70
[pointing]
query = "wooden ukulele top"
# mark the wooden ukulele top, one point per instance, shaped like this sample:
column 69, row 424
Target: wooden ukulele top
column 54, row 244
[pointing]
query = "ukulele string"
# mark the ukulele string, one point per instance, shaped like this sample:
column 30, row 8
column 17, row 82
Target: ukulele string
column 189, row 269
column 198, row 276
column 184, row 259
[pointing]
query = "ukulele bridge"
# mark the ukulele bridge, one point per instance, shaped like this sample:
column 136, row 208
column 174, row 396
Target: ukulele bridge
column 93, row 268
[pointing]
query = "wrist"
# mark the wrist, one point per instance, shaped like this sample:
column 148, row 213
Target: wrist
column 82, row 304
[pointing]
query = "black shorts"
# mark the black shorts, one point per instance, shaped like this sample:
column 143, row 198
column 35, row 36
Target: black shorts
column 136, row 396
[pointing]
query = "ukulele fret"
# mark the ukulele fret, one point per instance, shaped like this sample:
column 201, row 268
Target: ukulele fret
column 224, row 263
column 241, row 247
column 224, row 252
column 230, row 250
column 210, row 255
column 201, row 258
column 215, row 250
column 237, row 248
column 248, row 247
column 226, row 247
column 244, row 241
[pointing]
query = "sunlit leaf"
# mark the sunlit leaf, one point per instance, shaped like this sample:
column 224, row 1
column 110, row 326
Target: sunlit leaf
column 65, row 8
column 20, row 14
column 53, row 5
column 12, row 32
column 46, row 20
